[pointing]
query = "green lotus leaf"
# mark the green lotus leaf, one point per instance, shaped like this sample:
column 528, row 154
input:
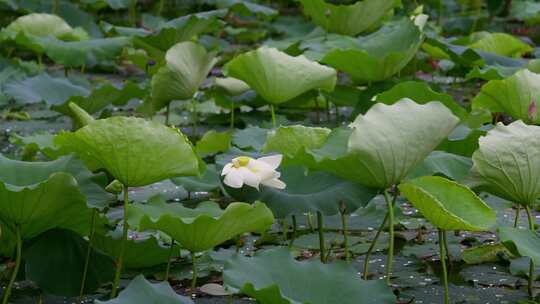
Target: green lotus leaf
column 55, row 202
column 187, row 65
column 204, row 227
column 142, row 250
column 291, row 281
column 452, row 166
column 208, row 182
column 55, row 261
column 232, row 86
column 512, row 96
column 422, row 93
column 308, row 192
column 500, row 44
column 380, row 55
column 40, row 141
column 135, row 151
column 52, row 90
column 213, row 142
column 43, row 25
column 278, row 77
column 447, row 204
column 521, row 242
column 290, row 139
column 526, row 10
column 140, row 291
column 19, row 173
column 389, row 141
column 507, row 162
column 350, row 19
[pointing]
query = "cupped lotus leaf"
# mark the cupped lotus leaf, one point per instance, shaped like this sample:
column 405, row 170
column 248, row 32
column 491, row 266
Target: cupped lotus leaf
column 187, row 65
column 308, row 192
column 21, row 173
column 350, row 19
column 508, row 162
column 420, row 92
column 500, row 44
column 232, row 86
column 380, row 55
column 274, row 276
column 290, row 139
column 43, row 25
column 140, row 291
column 204, row 227
column 279, row 77
column 521, row 242
column 512, row 96
column 55, row 262
column 55, row 202
column 447, row 204
column 452, row 166
column 135, row 151
column 390, row 140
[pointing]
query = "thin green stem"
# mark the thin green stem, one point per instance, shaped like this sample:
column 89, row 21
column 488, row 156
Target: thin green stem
column 133, row 13
column 320, row 227
column 442, row 255
column 345, row 235
column 168, row 269
column 194, row 277
column 390, row 257
column 18, row 258
column 88, row 253
column 337, row 115
column 531, row 263
column 125, row 229
column 327, row 110
column 195, row 117
column 448, row 256
column 167, row 114
column 516, row 219
column 161, row 6
column 294, row 231
column 372, row 246
column 273, row 113
column 309, row 218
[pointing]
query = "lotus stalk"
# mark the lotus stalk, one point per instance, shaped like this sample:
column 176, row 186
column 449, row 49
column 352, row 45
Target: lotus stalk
column 169, row 260
column 194, row 271
column 125, row 230
column 442, row 254
column 390, row 257
column 294, row 231
column 18, row 259
column 320, row 228
column 372, row 246
column 88, row 253
column 531, row 262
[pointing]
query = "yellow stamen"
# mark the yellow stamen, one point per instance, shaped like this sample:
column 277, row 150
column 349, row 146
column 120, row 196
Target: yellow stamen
column 240, row 161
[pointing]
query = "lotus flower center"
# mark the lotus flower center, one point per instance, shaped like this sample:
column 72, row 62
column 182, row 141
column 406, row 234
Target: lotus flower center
column 241, row 161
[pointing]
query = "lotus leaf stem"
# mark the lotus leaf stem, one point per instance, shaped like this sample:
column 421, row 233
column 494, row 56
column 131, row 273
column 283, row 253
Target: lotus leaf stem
column 531, row 262
column 442, row 254
column 273, row 113
column 372, row 246
column 309, row 218
column 125, row 230
column 167, row 114
column 88, row 252
column 345, row 236
column 132, row 12
column 167, row 270
column 516, row 219
column 448, row 256
column 194, row 277
column 18, row 258
column 390, row 256
column 161, row 6
column 232, row 115
column 320, row 227
column 294, row 231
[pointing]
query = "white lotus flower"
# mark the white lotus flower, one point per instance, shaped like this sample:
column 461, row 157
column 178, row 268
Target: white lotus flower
column 253, row 172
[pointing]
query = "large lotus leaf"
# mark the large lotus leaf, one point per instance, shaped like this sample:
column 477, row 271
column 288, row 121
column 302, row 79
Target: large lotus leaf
column 140, row 291
column 22, row 173
column 55, row 202
column 348, row 19
column 389, row 141
column 135, row 151
column 274, row 276
column 308, row 192
column 380, row 55
column 142, row 250
column 455, row 167
column 43, row 87
column 204, row 227
column 500, row 44
column 103, row 96
column 290, row 139
column 512, row 96
column 508, row 161
column 43, row 25
column 526, row 10
column 521, row 242
column 208, row 182
column 187, row 65
column 422, row 93
column 55, row 261
column 279, row 77
column 447, row 204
